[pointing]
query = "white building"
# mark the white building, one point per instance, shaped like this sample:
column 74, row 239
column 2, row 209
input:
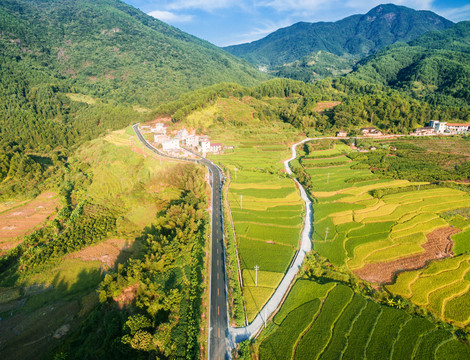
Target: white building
column 182, row 134
column 449, row 128
column 216, row 147
column 455, row 128
column 192, row 140
column 205, row 146
column 159, row 139
column 159, row 128
column 172, row 144
column 439, row 126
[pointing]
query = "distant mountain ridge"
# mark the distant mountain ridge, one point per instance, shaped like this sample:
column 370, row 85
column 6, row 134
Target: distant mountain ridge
column 354, row 37
column 436, row 66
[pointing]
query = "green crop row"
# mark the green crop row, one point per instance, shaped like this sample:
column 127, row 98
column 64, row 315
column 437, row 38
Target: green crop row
column 312, row 344
column 302, row 291
column 281, row 344
column 269, row 257
column 342, row 326
column 348, row 326
column 408, row 337
column 387, row 327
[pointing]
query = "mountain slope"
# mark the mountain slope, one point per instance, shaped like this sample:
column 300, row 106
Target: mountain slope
column 435, row 66
column 353, row 37
column 104, row 49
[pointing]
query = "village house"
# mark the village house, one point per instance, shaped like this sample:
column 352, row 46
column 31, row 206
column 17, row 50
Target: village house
column 172, row 144
column 342, row 133
column 438, row 126
column 205, row 146
column 192, row 140
column 455, row 128
column 424, row 131
column 449, row 128
column 215, row 147
column 370, row 131
column 159, row 139
column 182, row 134
column 159, row 128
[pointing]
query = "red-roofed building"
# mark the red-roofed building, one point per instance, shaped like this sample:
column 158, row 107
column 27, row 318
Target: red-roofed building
column 456, row 128
column 215, row 147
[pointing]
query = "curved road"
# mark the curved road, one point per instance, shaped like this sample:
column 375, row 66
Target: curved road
column 222, row 338
column 218, row 348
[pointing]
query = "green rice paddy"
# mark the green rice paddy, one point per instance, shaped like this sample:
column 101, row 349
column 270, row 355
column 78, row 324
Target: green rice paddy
column 336, row 323
column 266, row 207
column 353, row 228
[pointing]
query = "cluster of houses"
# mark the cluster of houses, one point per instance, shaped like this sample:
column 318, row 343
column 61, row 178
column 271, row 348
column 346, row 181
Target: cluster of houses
column 435, row 128
column 368, row 131
column 183, row 139
column 441, row 127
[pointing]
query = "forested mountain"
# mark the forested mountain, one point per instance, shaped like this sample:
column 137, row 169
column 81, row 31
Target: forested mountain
column 351, row 38
column 435, row 66
column 104, row 49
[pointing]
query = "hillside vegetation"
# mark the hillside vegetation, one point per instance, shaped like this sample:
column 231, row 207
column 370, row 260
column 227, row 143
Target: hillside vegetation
column 435, row 67
column 70, row 70
column 128, row 225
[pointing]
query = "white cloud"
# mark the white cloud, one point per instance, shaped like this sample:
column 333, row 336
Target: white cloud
column 170, row 17
column 457, row 14
column 207, row 5
column 258, row 32
column 296, row 6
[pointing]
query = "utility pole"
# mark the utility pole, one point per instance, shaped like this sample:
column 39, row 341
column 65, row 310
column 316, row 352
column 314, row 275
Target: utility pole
column 256, row 275
column 328, row 178
column 326, row 232
column 241, row 201
column 235, row 173
column 419, row 187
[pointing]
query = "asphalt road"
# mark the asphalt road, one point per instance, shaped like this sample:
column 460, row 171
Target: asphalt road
column 218, row 318
column 218, row 314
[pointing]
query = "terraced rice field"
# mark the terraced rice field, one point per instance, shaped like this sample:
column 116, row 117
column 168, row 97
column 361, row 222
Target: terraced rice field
column 442, row 286
column 266, row 208
column 353, row 228
column 267, row 214
column 335, row 323
column 378, row 237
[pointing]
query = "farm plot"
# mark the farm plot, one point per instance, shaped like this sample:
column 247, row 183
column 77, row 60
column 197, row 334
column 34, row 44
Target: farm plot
column 354, row 228
column 441, row 287
column 266, row 208
column 397, row 233
column 18, row 221
column 267, row 216
column 348, row 326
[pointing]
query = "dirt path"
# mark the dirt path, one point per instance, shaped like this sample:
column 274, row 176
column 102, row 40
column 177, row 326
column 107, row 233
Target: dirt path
column 438, row 246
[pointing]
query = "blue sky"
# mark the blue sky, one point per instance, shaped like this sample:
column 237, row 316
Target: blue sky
column 227, row 22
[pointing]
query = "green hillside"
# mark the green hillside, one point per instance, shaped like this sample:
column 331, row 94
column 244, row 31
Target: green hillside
column 54, row 52
column 352, row 38
column 435, row 66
